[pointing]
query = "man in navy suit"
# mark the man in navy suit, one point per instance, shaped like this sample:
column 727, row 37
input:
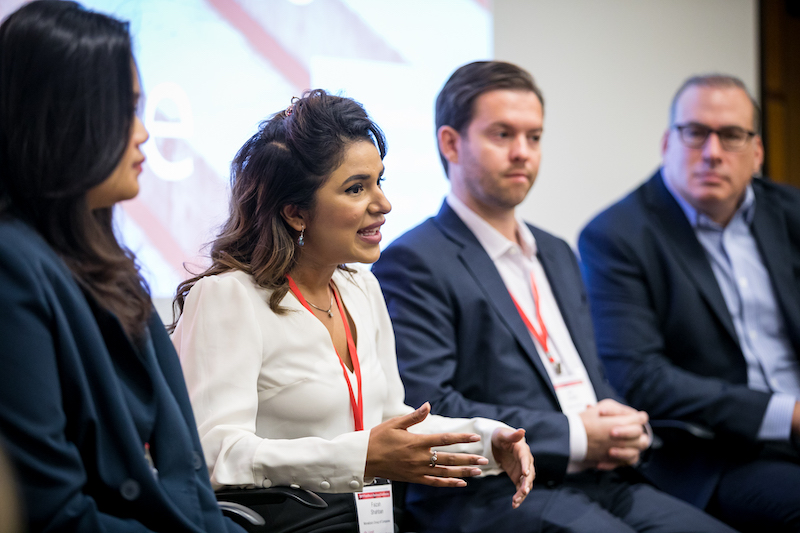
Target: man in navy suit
column 694, row 281
column 492, row 320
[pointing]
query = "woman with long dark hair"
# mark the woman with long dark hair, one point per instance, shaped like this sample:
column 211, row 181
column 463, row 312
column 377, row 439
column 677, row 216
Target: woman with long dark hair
column 289, row 355
column 93, row 408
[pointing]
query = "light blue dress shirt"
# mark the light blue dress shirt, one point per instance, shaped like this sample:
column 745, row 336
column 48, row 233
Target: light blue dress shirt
column 772, row 365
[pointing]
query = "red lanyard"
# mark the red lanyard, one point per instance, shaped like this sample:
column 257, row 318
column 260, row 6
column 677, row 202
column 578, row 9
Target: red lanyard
column 540, row 335
column 358, row 406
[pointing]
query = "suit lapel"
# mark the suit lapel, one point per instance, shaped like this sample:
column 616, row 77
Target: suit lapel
column 564, row 285
column 668, row 215
column 769, row 230
column 487, row 278
column 129, row 363
column 560, row 286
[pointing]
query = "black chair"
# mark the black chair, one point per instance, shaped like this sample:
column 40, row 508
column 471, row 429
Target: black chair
column 405, row 523
column 669, row 430
column 239, row 504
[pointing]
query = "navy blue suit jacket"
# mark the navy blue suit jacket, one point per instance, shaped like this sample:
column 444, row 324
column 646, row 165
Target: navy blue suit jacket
column 665, row 333
column 462, row 345
column 78, row 401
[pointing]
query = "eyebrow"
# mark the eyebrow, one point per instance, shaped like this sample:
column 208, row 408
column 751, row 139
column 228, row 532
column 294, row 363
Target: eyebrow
column 362, row 177
column 727, row 126
column 510, row 127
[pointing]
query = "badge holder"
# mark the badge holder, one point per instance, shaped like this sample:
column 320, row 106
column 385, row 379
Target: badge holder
column 374, row 507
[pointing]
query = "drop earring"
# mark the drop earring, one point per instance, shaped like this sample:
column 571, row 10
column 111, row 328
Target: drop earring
column 301, row 240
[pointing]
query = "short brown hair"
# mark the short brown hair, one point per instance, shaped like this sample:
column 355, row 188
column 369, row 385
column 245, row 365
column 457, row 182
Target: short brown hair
column 455, row 103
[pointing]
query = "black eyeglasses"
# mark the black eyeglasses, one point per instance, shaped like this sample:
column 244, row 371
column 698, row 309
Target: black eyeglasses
column 732, row 138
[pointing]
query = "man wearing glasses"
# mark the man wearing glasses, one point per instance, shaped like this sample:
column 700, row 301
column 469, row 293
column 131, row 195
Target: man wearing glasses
column 694, row 283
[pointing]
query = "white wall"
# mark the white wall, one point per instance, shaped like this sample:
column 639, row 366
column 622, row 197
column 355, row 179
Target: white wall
column 608, row 70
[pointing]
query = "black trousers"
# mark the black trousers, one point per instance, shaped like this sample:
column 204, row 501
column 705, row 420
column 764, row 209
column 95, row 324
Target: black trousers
column 293, row 517
column 589, row 502
column 762, row 494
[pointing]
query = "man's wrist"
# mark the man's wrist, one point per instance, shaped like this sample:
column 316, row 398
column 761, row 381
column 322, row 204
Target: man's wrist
column 778, row 423
column 578, row 439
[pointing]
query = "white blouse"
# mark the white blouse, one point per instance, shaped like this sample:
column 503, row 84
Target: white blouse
column 269, row 396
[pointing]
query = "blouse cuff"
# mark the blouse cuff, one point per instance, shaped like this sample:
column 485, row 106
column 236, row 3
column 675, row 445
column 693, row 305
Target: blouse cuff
column 331, row 466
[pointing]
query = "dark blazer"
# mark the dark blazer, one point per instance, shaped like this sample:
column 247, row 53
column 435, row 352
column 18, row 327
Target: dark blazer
column 665, row 333
column 462, row 345
column 78, row 401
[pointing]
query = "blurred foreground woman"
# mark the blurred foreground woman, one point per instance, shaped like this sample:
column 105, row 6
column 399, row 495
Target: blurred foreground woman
column 93, row 408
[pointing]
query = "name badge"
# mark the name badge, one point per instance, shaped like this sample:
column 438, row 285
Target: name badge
column 574, row 394
column 374, row 508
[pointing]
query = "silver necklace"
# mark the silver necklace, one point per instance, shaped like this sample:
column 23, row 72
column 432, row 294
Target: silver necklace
column 328, row 310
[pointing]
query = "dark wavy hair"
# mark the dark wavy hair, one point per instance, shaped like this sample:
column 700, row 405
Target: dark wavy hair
column 283, row 164
column 66, row 116
column 456, row 101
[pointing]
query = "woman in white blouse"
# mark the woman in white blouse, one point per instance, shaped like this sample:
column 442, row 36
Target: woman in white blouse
column 289, row 355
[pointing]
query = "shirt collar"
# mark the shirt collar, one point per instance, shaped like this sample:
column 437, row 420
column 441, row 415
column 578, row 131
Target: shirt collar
column 698, row 219
column 495, row 244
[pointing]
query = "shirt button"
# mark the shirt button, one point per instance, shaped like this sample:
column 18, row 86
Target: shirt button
column 294, row 486
column 267, row 483
column 355, row 485
column 743, row 283
column 197, row 461
column 325, row 485
column 129, row 489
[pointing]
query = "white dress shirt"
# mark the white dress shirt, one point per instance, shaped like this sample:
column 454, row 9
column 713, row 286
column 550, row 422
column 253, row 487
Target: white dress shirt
column 515, row 263
column 268, row 393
